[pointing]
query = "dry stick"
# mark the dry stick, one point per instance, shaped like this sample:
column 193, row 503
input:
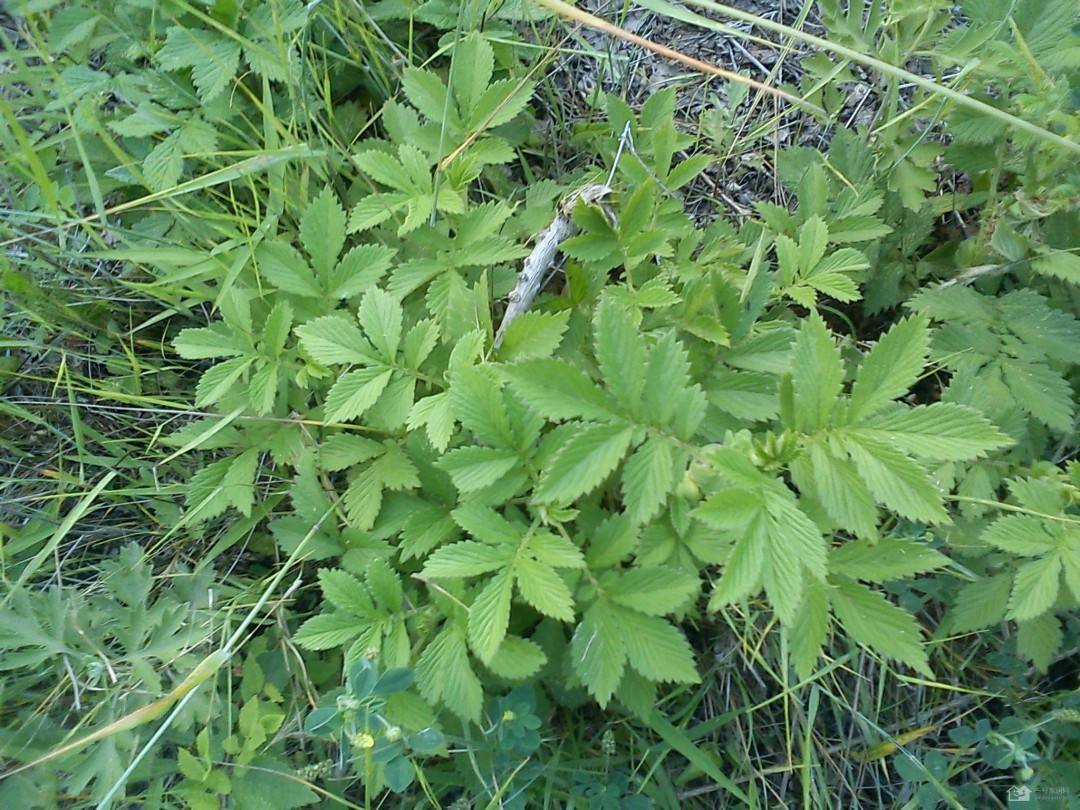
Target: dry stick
column 537, row 263
column 583, row 17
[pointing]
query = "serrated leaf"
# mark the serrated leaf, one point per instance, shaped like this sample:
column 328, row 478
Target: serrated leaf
column 263, row 390
column 598, row 652
column 896, row 481
column 533, row 334
column 437, row 417
column 656, row 649
column 648, row 478
column 556, row 551
column 558, row 390
column 744, row 567
column 333, row 340
column 359, row 270
column 1039, row 639
column 655, row 591
column 489, row 616
column 544, row 589
column 426, row 92
column 466, row 558
column 343, row 450
column 284, row 268
column 810, row 630
column 355, row 392
column 583, row 462
column 203, row 343
column 381, row 316
column 345, row 592
column 1024, row 535
column 943, row 431
column 620, row 352
column 486, row 524
column 869, row 618
column 327, row 631
column 473, row 468
column 980, row 604
column 889, row 558
column 840, row 489
column 218, row 379
column 517, row 659
column 212, row 57
column 891, row 367
column 322, row 231
column 164, row 164
column 1042, row 392
column 444, row 675
column 817, row 374
column 1035, row 588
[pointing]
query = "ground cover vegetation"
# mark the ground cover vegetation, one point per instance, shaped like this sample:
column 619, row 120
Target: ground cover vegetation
column 770, row 498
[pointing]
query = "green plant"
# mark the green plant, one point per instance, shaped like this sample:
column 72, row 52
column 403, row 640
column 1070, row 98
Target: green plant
column 727, row 499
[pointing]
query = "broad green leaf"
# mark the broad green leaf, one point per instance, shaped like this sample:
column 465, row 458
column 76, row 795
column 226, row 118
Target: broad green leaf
column 888, row 559
column 380, row 316
column 891, row 367
column 474, row 468
column 1042, row 392
column 264, row 388
column 322, row 231
column 533, row 334
column 426, row 92
column 810, row 630
column 544, row 589
column 489, row 616
column 283, row 267
column 620, row 352
column 346, row 592
column 598, row 652
column 656, row 649
column 484, row 523
column 586, row 459
column 1023, row 535
column 558, row 390
column 355, row 392
column 217, row 380
column 436, row 415
column 817, row 374
column 343, row 450
column 517, row 659
column 841, row 491
column 655, row 591
column 328, row 630
column 212, row 57
column 942, row 431
column 1035, row 588
column 474, row 61
column 744, row 567
column 466, row 559
column 444, row 675
column 648, row 478
column 478, row 401
column 1039, row 639
column 334, row 339
column 980, row 604
column 359, row 270
column 203, row 343
column 873, row 621
column 556, row 551
column 896, row 481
